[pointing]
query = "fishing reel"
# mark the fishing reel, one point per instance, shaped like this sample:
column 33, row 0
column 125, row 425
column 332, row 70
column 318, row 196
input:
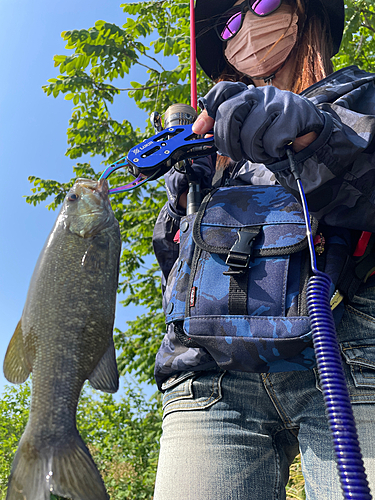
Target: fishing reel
column 156, row 155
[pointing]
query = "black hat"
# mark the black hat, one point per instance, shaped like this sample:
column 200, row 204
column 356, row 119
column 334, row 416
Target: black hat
column 210, row 47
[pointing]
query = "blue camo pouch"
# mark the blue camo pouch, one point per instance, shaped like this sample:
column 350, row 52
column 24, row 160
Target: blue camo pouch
column 238, row 287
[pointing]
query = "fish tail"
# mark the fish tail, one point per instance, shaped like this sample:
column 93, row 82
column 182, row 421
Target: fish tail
column 67, row 471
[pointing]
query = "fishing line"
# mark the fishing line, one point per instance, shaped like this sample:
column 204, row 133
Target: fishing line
column 162, row 62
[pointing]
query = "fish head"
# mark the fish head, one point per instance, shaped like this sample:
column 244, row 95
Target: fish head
column 86, row 209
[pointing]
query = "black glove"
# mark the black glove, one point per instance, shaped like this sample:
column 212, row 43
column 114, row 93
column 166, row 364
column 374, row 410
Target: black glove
column 256, row 123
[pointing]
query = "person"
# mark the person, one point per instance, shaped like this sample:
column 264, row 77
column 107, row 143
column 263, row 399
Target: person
column 233, row 433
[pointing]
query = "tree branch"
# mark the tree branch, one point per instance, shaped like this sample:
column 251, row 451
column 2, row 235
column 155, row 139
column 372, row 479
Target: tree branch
column 370, row 28
column 144, row 88
column 143, row 52
column 148, row 67
column 367, row 24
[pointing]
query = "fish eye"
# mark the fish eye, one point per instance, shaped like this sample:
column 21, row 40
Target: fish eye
column 73, row 197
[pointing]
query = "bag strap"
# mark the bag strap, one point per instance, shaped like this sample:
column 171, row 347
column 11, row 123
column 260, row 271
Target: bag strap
column 182, row 337
column 238, row 260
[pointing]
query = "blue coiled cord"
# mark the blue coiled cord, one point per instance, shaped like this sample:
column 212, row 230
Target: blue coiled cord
column 339, row 411
column 335, row 392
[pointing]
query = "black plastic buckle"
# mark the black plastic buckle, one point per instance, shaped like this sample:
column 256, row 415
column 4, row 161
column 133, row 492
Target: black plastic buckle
column 240, row 253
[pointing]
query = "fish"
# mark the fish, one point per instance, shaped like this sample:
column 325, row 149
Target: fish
column 65, row 337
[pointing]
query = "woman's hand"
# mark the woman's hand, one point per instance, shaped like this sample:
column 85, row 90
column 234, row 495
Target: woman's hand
column 204, row 123
column 305, row 140
column 256, row 123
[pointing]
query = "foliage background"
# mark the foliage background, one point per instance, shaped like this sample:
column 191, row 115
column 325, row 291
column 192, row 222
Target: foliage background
column 90, row 76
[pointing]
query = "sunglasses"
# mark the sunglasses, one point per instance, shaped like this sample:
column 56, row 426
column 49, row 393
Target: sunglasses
column 230, row 23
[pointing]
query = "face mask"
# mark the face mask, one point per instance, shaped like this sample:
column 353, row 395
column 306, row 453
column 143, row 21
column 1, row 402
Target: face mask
column 263, row 43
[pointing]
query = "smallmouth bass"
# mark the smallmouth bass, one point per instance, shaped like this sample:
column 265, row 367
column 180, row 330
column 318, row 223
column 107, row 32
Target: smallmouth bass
column 64, row 337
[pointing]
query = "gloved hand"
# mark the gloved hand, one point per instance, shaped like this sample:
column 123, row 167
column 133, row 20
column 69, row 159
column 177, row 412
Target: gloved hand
column 175, row 184
column 256, row 123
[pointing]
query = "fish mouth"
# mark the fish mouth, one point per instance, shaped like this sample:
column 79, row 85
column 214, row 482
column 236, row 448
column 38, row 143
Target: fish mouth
column 89, row 187
column 102, row 188
column 87, row 209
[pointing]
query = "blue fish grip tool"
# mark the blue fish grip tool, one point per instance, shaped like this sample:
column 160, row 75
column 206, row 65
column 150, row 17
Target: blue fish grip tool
column 338, row 407
column 156, row 155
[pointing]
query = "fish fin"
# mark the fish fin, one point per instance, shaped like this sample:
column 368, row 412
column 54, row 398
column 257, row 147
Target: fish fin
column 75, row 474
column 67, row 471
column 28, row 475
column 16, row 366
column 105, row 376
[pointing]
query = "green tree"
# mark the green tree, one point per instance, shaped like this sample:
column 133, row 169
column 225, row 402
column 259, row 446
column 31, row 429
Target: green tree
column 14, row 412
column 122, row 436
column 99, row 57
column 358, row 44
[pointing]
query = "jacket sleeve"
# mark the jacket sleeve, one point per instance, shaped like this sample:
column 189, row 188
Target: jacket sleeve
column 165, row 248
column 338, row 168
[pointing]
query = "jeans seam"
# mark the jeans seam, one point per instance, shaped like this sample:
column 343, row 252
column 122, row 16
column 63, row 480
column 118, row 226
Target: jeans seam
column 277, row 475
column 360, row 314
column 354, row 361
column 363, row 374
column 357, row 359
column 355, row 347
column 275, row 401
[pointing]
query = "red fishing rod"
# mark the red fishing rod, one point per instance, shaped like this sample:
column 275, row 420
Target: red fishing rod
column 193, row 59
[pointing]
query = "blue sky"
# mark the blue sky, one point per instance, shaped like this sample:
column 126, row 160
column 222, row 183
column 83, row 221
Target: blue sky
column 33, row 135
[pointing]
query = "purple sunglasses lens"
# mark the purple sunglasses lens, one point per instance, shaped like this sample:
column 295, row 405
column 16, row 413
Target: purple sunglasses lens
column 260, row 7
column 264, row 7
column 232, row 26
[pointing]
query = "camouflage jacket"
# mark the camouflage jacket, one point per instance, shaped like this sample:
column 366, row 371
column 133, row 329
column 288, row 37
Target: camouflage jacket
column 338, row 173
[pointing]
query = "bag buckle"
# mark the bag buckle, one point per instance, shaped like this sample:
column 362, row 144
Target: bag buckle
column 240, row 253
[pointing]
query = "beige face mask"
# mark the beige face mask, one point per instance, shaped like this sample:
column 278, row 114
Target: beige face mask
column 263, row 43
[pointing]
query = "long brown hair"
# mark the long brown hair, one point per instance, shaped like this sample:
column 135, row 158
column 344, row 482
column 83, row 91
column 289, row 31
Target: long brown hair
column 311, row 54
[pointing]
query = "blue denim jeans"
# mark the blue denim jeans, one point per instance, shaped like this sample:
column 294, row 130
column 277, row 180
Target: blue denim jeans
column 233, row 435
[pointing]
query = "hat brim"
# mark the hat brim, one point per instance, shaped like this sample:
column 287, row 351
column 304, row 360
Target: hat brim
column 210, row 49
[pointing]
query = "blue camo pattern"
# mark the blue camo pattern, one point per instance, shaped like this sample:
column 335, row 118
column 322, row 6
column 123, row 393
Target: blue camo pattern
column 268, row 334
column 231, row 343
column 271, row 207
column 175, row 294
column 173, row 357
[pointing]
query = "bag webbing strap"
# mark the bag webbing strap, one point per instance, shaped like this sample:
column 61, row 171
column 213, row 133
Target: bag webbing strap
column 238, row 260
column 182, row 337
column 237, row 303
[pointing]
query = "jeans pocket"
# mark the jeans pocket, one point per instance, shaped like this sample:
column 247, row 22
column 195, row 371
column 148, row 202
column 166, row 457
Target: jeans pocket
column 192, row 391
column 359, row 356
